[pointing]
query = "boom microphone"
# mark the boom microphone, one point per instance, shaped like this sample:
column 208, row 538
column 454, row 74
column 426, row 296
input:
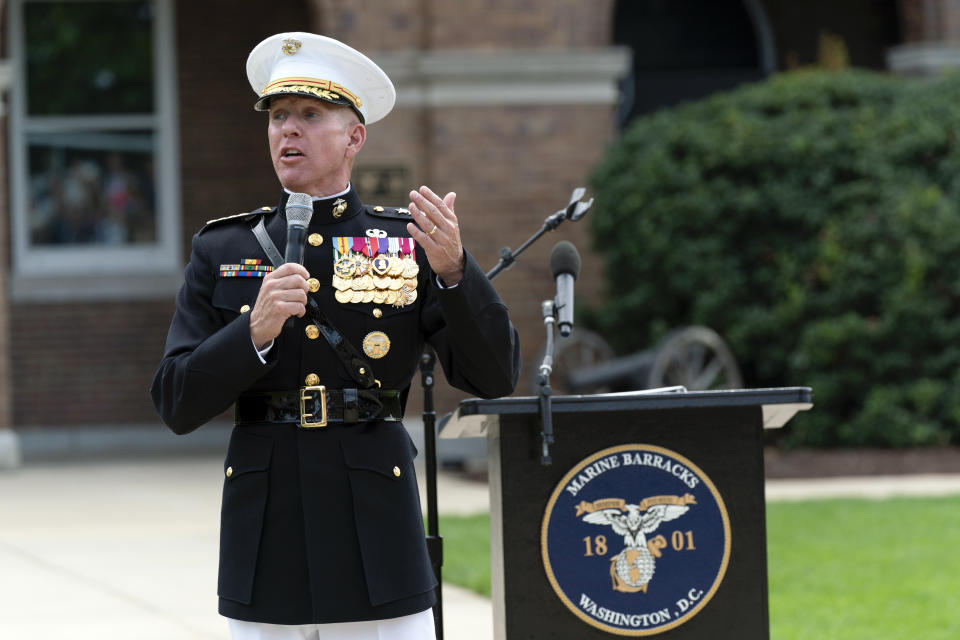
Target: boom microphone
column 299, row 211
column 564, row 267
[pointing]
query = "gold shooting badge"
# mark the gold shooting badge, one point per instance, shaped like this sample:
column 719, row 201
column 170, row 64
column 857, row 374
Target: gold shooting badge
column 376, row 344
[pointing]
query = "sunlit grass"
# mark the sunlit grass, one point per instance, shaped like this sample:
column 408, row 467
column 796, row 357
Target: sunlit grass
column 838, row 569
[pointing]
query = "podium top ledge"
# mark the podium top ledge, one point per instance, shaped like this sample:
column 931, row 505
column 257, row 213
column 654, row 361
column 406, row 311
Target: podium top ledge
column 474, row 417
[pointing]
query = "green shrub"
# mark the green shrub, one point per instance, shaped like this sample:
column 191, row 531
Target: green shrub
column 812, row 220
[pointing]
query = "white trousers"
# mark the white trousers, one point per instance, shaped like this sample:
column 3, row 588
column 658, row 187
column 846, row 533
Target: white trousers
column 417, row 626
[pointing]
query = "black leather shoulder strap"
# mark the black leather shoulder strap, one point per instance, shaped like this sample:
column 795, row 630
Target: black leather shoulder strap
column 357, row 366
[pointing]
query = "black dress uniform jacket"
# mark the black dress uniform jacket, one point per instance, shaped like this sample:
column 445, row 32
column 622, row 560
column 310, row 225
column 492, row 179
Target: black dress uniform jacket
column 321, row 525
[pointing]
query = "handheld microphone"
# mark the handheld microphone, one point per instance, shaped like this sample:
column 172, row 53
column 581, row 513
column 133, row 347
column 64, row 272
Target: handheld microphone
column 564, row 267
column 299, row 211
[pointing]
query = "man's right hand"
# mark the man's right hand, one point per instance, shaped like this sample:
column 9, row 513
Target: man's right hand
column 282, row 294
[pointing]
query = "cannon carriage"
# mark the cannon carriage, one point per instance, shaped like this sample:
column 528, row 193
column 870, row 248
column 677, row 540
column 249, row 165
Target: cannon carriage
column 694, row 357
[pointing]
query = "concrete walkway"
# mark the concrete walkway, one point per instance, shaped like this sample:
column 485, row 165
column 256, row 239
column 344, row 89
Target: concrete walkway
column 128, row 549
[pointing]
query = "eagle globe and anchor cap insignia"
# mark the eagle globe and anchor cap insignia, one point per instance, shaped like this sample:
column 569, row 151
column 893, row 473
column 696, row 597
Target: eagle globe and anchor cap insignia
column 635, row 540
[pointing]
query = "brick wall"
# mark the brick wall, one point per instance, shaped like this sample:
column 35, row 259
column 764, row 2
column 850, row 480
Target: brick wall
column 92, row 363
column 378, row 25
column 86, row 363
column 511, row 166
column 930, row 20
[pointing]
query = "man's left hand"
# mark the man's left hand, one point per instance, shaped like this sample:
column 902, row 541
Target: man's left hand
column 437, row 231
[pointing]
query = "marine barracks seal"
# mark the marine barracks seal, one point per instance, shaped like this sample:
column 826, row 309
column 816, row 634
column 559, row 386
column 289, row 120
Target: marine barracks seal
column 635, row 540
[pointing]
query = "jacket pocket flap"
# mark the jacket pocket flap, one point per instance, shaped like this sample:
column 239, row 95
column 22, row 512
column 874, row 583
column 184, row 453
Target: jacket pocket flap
column 385, row 449
column 234, row 293
column 386, row 310
column 248, row 452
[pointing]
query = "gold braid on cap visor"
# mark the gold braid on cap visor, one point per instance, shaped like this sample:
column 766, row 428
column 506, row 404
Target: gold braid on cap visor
column 323, row 89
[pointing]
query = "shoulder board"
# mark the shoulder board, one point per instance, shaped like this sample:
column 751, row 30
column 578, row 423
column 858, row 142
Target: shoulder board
column 394, row 213
column 237, row 217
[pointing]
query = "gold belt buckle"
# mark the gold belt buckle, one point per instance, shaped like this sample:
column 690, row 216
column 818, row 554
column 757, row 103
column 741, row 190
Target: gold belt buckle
column 304, row 422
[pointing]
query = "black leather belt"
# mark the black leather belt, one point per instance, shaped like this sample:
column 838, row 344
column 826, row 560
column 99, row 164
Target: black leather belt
column 318, row 406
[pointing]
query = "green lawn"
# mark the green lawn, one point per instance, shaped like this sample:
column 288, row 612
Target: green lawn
column 838, row 569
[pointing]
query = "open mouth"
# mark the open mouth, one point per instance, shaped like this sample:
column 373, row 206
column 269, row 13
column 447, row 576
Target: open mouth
column 290, row 153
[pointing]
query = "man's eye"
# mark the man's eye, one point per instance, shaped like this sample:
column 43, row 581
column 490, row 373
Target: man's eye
column 277, row 115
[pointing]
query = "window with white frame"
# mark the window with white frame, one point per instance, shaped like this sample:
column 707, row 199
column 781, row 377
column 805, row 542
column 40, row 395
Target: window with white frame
column 92, row 141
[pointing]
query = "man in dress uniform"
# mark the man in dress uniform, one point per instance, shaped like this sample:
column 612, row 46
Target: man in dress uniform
column 321, row 530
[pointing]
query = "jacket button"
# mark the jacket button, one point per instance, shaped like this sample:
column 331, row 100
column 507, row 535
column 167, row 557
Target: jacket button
column 377, row 313
column 315, row 239
column 245, row 308
column 312, row 380
column 313, row 284
column 230, row 471
column 312, row 332
column 396, row 471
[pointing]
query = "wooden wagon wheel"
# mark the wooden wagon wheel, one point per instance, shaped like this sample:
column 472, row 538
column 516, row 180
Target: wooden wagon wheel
column 697, row 358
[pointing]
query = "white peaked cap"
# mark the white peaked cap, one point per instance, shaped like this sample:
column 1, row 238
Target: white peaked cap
column 307, row 64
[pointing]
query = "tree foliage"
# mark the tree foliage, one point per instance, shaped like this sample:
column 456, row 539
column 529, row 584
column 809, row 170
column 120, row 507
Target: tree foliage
column 813, row 221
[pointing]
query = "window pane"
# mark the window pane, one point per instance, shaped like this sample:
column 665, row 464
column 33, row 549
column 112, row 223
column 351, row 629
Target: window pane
column 92, row 188
column 89, row 57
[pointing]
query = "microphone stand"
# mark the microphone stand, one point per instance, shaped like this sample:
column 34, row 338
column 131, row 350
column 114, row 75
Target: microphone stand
column 574, row 210
column 543, row 384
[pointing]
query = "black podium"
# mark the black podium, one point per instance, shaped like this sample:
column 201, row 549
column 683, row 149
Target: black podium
column 649, row 521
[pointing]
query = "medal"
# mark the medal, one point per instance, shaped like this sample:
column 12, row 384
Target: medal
column 380, row 265
column 344, row 267
column 396, row 266
column 410, row 268
column 376, row 344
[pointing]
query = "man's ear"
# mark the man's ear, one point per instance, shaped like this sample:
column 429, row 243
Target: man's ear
column 358, row 135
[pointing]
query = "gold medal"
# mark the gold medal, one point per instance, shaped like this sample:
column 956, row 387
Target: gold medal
column 391, row 297
column 381, row 283
column 343, row 296
column 341, row 284
column 344, row 267
column 367, row 296
column 379, row 297
column 396, row 266
column 356, row 297
column 376, row 344
column 395, row 284
column 356, row 284
column 410, row 284
column 410, row 268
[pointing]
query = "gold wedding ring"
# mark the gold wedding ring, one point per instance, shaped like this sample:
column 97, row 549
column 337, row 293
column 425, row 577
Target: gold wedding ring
column 432, row 231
